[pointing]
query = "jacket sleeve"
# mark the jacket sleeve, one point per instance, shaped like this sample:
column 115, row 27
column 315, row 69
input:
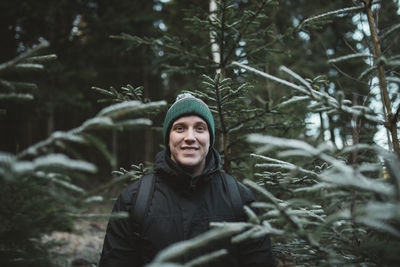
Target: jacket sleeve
column 255, row 252
column 120, row 246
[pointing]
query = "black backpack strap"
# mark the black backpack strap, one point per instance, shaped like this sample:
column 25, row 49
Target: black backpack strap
column 143, row 199
column 232, row 188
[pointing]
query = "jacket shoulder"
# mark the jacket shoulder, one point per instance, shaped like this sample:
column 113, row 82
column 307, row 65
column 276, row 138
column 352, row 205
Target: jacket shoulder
column 129, row 193
column 245, row 193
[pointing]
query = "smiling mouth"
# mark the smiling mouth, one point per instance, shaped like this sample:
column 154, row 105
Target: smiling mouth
column 189, row 148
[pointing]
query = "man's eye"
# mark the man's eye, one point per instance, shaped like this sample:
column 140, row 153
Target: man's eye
column 201, row 128
column 179, row 128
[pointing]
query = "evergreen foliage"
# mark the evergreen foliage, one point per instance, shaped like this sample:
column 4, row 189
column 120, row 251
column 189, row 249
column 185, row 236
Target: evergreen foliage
column 126, row 93
column 323, row 204
column 232, row 31
column 232, row 124
column 78, row 32
column 17, row 91
column 328, row 215
column 38, row 191
column 233, row 25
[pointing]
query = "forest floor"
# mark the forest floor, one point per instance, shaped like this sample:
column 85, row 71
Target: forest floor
column 81, row 246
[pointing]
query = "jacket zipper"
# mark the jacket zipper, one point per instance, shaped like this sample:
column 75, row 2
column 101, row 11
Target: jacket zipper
column 192, row 184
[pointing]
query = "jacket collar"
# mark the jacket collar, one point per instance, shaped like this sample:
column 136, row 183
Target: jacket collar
column 174, row 175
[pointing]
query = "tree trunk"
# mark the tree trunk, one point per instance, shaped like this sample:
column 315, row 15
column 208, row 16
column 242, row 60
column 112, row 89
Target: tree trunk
column 217, row 50
column 391, row 120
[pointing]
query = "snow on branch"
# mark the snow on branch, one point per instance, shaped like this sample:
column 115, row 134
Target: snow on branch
column 351, row 56
column 271, row 141
column 293, row 219
column 293, row 99
column 29, row 66
column 296, row 76
column 61, row 161
column 41, row 59
column 313, row 93
column 263, row 191
column 10, row 166
column 54, row 178
column 281, row 164
column 376, row 212
column 128, row 108
column 299, row 147
column 18, row 96
column 94, row 123
column 358, row 181
column 393, row 79
column 339, row 174
column 23, row 56
column 271, row 77
column 205, row 259
column 182, row 248
column 326, row 99
column 333, row 13
column 105, row 119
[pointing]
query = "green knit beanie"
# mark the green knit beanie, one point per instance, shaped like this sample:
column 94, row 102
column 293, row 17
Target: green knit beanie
column 187, row 104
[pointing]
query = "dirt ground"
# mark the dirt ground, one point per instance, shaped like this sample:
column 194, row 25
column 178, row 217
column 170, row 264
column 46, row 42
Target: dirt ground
column 80, row 247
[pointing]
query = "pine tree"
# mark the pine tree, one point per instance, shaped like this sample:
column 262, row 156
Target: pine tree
column 327, row 213
column 79, row 35
column 19, row 91
column 339, row 211
column 323, row 204
column 222, row 33
column 38, row 191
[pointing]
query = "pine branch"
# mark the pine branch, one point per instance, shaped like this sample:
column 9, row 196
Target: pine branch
column 315, row 95
column 23, row 56
column 16, row 96
column 12, row 167
column 126, row 93
column 41, row 59
column 168, row 47
column 340, row 173
column 343, row 58
column 182, row 248
column 331, row 13
column 242, row 31
column 290, row 218
column 281, row 164
column 205, row 259
column 389, row 32
column 106, row 119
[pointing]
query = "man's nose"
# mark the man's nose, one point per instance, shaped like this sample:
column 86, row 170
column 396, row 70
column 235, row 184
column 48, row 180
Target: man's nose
column 190, row 135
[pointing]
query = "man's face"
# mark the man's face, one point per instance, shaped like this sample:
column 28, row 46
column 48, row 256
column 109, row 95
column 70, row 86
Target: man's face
column 189, row 141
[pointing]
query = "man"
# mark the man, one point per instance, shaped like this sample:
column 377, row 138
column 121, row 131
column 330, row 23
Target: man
column 189, row 193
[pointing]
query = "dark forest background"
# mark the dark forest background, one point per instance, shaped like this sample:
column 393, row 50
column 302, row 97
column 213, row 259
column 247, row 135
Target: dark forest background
column 161, row 48
column 79, row 34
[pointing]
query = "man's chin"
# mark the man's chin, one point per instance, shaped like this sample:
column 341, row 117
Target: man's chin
column 189, row 164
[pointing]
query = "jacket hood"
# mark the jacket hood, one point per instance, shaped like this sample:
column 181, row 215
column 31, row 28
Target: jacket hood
column 178, row 178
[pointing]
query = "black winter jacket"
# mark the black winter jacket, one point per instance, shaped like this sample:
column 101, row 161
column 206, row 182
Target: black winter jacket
column 181, row 208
